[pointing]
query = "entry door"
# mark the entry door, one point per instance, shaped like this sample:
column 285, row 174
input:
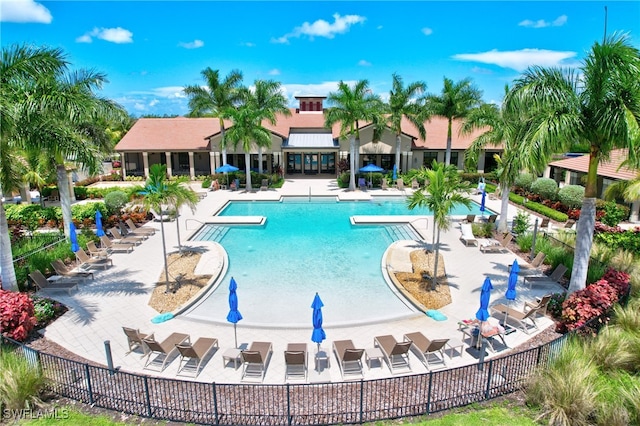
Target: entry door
column 294, row 163
column 328, row 163
column 311, row 163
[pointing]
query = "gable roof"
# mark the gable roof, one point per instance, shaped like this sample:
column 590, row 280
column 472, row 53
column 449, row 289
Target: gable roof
column 607, row 169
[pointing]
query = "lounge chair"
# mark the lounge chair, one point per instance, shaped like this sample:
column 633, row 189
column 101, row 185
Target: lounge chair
column 470, row 218
column 520, row 317
column 415, row 184
column 295, row 360
column 62, row 270
column 540, row 306
column 164, row 350
column 119, row 238
column 467, row 236
column 493, row 245
column 265, row 185
column 87, row 262
column 115, row 247
column 555, row 276
column 139, row 229
column 495, row 195
column 400, row 184
column 197, row 352
column 492, row 218
column 569, row 224
column 544, row 224
column 255, row 359
column 349, row 358
column 62, row 284
column 535, row 263
column 428, row 351
column 384, row 185
column 362, row 184
column 135, row 340
column 94, row 251
column 396, row 354
column 129, row 234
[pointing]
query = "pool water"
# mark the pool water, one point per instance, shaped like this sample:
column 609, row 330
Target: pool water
column 308, row 247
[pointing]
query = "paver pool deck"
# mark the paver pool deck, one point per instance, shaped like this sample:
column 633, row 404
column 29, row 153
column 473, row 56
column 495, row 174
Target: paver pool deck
column 119, row 297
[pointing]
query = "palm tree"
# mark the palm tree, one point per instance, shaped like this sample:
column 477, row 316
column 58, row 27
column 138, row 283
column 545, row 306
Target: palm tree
column 215, row 100
column 443, row 192
column 181, row 196
column 247, row 130
column 403, row 102
column 455, row 102
column 599, row 106
column 157, row 194
column 61, row 120
column 504, row 126
column 19, row 67
column 350, row 106
column 267, row 98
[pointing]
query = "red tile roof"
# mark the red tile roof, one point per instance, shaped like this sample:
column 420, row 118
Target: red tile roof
column 605, row 168
column 189, row 134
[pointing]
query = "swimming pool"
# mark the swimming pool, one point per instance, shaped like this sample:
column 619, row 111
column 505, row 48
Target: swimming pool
column 308, row 246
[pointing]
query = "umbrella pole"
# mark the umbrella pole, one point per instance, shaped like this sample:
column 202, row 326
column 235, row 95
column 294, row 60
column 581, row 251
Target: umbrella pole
column 235, row 334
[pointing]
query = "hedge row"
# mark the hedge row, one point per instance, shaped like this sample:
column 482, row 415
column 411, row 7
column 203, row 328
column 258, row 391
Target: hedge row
column 532, row 205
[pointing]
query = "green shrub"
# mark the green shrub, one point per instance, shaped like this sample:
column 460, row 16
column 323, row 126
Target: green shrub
column 545, row 187
column 613, row 214
column 571, row 195
column 21, row 382
column 80, row 192
column 596, row 271
column 483, row 230
column 524, row 181
column 82, row 212
column 115, row 201
column 521, row 222
column 524, row 241
column 206, row 183
column 554, row 308
column 46, row 309
column 627, row 240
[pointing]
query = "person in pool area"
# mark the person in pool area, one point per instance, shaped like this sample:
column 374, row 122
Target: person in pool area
column 481, row 186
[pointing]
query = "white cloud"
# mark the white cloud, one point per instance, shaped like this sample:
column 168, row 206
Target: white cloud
column 379, row 27
column 480, row 70
column 154, row 103
column 192, row 44
column 541, row 23
column 364, row 63
column 24, row 11
column 322, row 28
column 427, row 31
column 248, row 44
column 274, row 71
column 114, row 35
column 519, row 60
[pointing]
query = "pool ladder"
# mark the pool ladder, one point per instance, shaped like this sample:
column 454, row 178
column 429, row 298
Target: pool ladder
column 211, row 233
column 401, row 232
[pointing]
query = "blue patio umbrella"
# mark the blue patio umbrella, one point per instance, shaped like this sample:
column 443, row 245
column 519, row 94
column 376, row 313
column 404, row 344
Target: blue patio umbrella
column 482, row 201
column 485, row 295
column 513, row 279
column 318, row 334
column 395, row 173
column 99, row 230
column 370, row 168
column 73, row 237
column 226, row 169
column 234, row 315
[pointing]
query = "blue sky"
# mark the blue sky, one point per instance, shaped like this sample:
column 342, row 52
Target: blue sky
column 151, row 49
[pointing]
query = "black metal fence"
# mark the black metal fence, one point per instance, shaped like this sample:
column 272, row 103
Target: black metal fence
column 289, row 404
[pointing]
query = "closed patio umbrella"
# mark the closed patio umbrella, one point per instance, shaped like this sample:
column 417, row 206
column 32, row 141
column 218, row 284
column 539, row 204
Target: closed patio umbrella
column 482, row 201
column 318, row 334
column 73, row 237
column 234, row 315
column 511, row 285
column 395, row 173
column 485, row 295
column 99, row 230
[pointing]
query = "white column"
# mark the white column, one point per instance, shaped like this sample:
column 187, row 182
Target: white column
column 259, row 159
column 192, row 168
column 123, row 166
column 410, row 160
column 212, row 162
column 547, row 172
column 567, row 177
column 635, row 212
column 169, row 167
column 145, row 163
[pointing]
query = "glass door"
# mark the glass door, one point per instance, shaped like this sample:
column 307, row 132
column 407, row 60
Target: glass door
column 311, row 163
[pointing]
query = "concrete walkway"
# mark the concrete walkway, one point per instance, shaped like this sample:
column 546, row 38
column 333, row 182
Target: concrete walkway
column 119, row 297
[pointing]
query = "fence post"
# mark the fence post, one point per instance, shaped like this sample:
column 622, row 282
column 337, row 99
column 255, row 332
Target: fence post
column 215, row 403
column 86, row 370
column 288, row 405
column 361, row 400
column 147, row 396
column 539, row 355
column 486, row 392
column 107, row 350
column 429, row 392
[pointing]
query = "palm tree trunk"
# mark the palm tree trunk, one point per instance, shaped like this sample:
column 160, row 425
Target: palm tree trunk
column 223, row 143
column 164, row 253
column 260, row 159
column 65, row 197
column 352, row 165
column 434, row 281
column 447, row 155
column 178, row 228
column 247, row 160
column 503, row 226
column 584, row 240
column 9, row 281
column 398, row 147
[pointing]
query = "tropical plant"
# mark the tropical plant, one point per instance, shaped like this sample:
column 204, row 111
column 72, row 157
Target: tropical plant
column 21, row 382
column 599, row 106
column 405, row 103
column 545, row 187
column 521, row 222
column 19, row 68
column 115, row 201
column 350, row 105
column 158, row 194
column 443, row 193
column 455, row 101
column 571, row 195
column 215, row 100
column 524, row 181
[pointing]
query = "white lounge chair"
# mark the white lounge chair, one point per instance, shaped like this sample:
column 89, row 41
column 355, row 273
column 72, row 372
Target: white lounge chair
column 467, row 236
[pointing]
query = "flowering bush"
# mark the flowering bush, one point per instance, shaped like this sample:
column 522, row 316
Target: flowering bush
column 16, row 315
column 618, row 280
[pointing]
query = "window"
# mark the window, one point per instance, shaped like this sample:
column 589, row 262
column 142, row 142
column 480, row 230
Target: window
column 454, row 158
column 429, row 158
column 386, row 161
